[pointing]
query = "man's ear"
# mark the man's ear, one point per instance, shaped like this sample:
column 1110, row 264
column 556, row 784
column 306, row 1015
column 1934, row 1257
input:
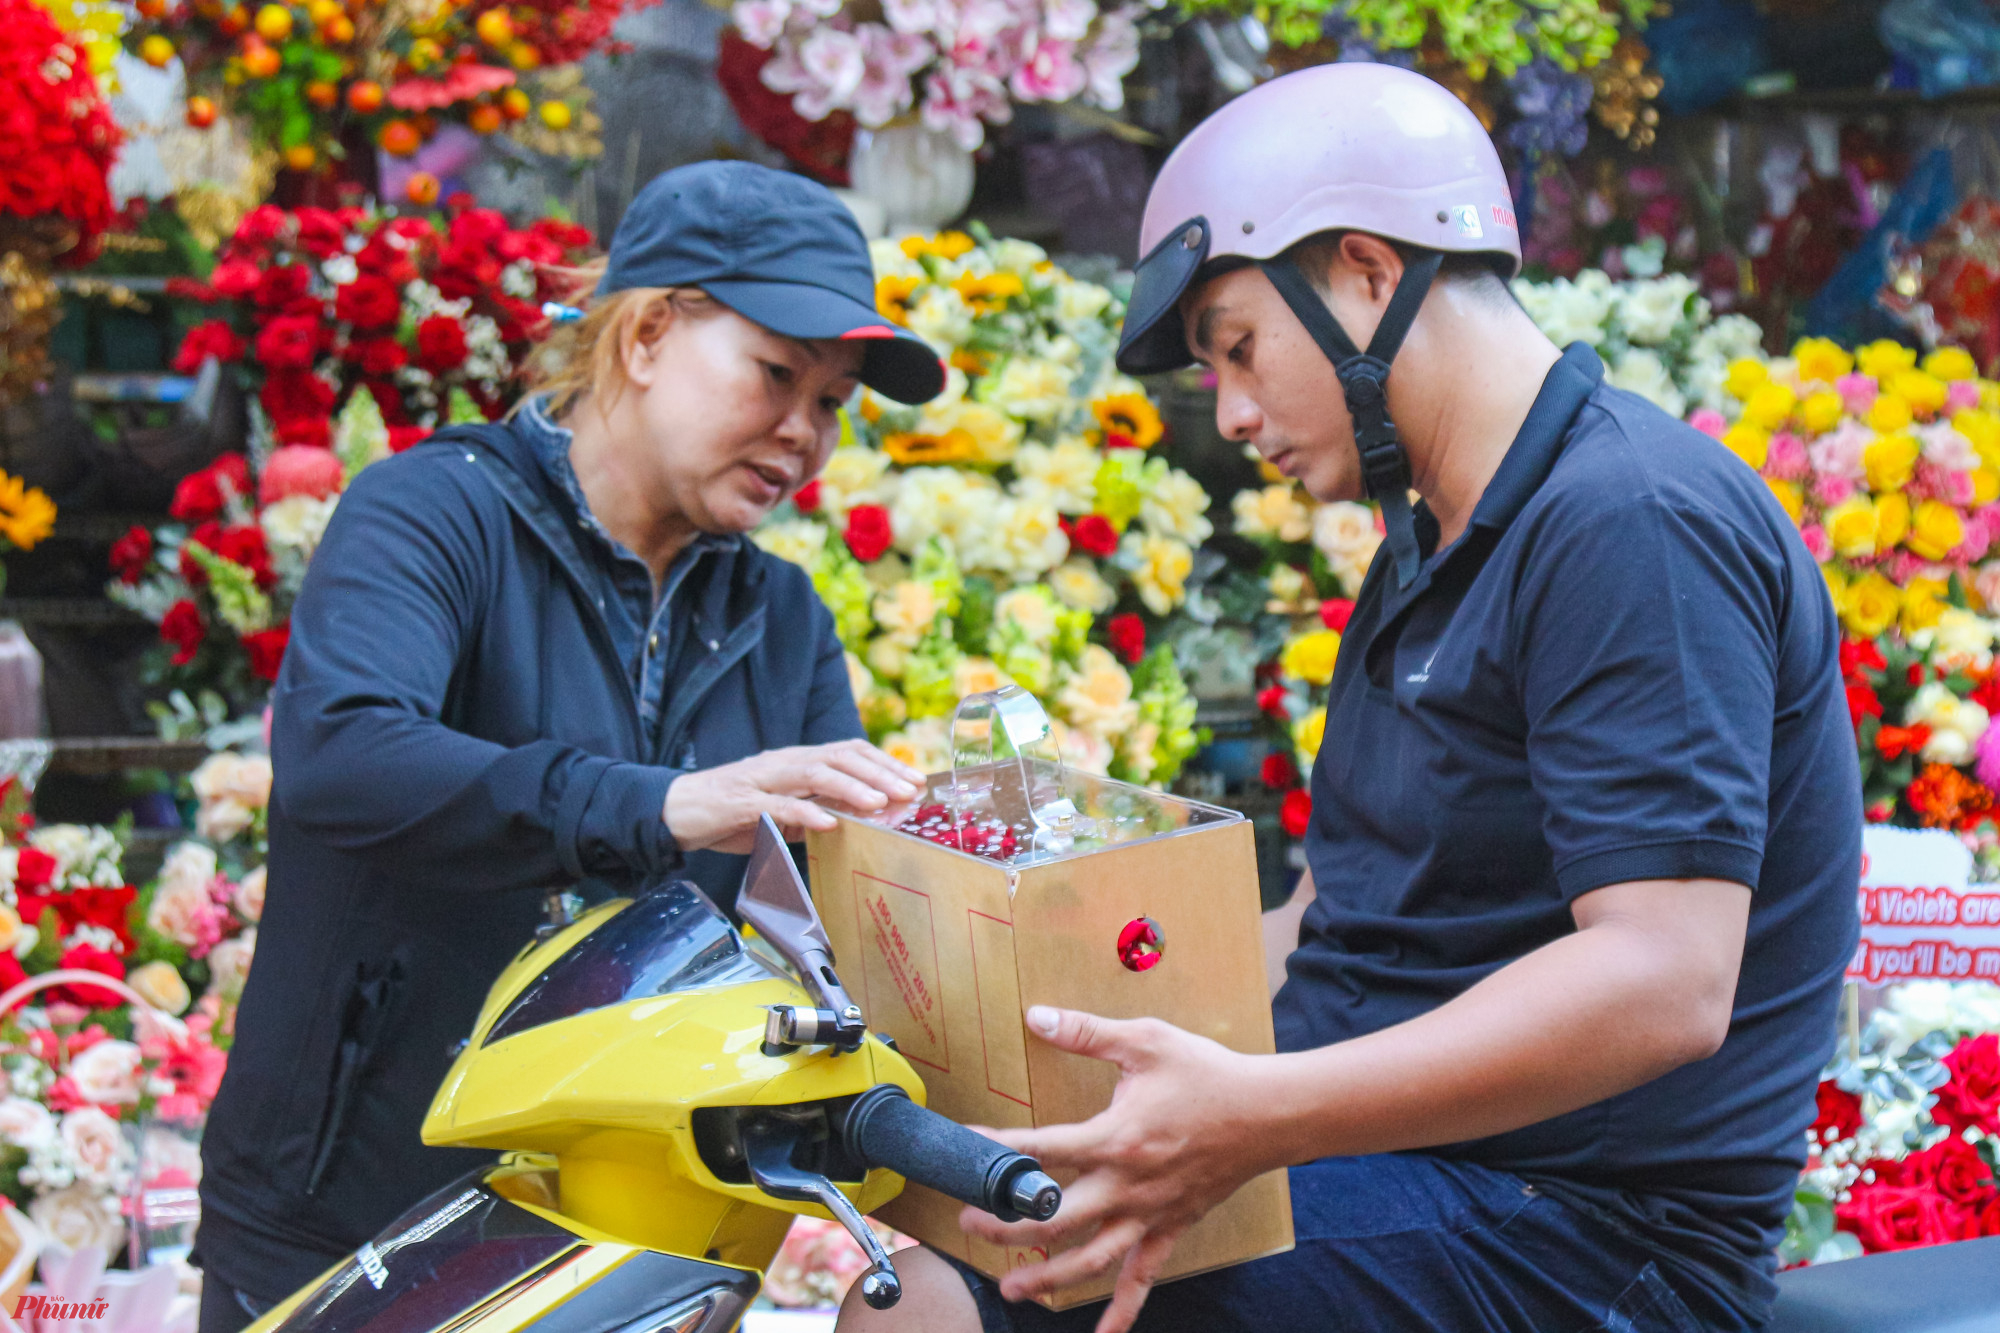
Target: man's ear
column 1373, row 260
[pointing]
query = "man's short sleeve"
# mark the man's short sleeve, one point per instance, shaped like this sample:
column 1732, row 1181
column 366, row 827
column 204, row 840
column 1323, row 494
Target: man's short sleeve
column 1646, row 642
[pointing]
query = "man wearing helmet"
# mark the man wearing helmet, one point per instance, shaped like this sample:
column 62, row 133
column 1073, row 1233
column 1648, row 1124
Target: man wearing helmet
column 1586, row 821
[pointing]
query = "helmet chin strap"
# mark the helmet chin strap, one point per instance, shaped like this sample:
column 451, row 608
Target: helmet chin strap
column 1364, row 379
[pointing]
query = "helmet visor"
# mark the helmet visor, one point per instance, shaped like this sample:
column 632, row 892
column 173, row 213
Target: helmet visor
column 1153, row 339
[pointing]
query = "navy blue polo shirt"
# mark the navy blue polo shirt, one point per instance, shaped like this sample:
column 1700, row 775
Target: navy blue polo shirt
column 1625, row 669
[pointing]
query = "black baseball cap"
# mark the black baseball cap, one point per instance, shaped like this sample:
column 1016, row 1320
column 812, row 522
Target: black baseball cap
column 777, row 249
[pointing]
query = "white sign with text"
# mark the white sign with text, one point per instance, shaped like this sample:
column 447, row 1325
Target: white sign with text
column 1921, row 916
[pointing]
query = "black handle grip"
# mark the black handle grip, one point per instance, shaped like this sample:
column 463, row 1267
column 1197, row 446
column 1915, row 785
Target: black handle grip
column 884, row 1128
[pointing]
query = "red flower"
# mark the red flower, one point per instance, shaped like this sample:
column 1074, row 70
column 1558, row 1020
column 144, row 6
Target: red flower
column 1862, row 702
column 315, row 433
column 182, row 628
column 1915, row 674
column 367, row 303
column 1951, row 1167
column 278, row 287
column 1987, row 693
column 868, row 532
column 806, row 498
column 1896, row 1217
column 1838, row 1111
column 299, row 470
column 209, row 338
column 202, row 495
column 402, row 437
column 1278, row 772
column 1972, row 1099
column 292, row 395
column 1295, row 814
column 321, row 233
column 289, row 342
column 235, row 278
column 130, row 554
column 379, row 357
column 1335, row 612
column 440, row 344
column 1092, row 534
column 1857, row 656
column 568, row 235
column 1895, row 742
column 1271, row 700
column 244, row 545
column 32, row 872
column 260, row 226
column 267, row 650
column 1128, row 636
column 89, row 958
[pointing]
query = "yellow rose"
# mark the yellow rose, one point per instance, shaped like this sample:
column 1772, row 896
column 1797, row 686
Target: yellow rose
column 905, row 611
column 1924, row 393
column 1746, row 375
column 161, row 986
column 977, row 675
column 1935, row 530
column 1310, row 657
column 1308, row 732
column 1983, row 429
column 1769, row 405
column 1789, row 495
column 1821, row 411
column 10, row 928
column 1923, row 602
column 1890, row 413
column 1952, row 363
column 1821, row 359
column 1850, row 526
column 1160, row 567
column 1884, row 358
column 1985, row 486
column 1868, row 605
column 1889, row 460
column 1836, row 582
column 1748, row 443
column 1098, row 694
column 1892, row 520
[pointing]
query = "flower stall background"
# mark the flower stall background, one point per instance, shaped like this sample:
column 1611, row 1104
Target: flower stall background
column 1020, row 527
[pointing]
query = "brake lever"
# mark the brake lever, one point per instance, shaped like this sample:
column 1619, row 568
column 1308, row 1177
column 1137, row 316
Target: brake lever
column 767, row 1151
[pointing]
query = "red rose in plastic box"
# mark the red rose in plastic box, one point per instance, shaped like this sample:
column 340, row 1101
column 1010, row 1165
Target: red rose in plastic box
column 1972, row 1099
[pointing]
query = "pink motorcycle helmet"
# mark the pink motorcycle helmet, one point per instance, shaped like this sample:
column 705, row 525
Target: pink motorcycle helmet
column 1343, row 147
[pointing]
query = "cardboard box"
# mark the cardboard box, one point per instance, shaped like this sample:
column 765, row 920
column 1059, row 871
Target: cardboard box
column 946, row 950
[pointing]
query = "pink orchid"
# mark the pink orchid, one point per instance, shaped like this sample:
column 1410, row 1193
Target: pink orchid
column 911, row 16
column 761, row 21
column 1109, row 57
column 1050, row 74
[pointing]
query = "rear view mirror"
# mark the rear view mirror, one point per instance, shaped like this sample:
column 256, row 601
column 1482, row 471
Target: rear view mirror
column 777, row 906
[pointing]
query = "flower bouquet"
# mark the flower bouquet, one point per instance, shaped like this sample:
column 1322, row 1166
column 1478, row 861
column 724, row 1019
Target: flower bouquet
column 1016, row 528
column 959, row 64
column 1907, row 1141
column 395, row 71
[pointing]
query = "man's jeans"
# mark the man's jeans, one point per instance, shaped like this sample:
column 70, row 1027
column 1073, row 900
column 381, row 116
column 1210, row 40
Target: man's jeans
column 1412, row 1242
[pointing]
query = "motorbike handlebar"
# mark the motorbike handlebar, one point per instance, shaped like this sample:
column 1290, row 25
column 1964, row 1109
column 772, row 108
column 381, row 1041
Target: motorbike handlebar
column 885, row 1129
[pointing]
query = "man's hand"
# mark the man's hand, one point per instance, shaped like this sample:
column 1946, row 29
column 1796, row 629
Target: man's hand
column 718, row 807
column 1171, row 1146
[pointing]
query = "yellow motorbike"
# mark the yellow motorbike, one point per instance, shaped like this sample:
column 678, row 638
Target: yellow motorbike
column 668, row 1093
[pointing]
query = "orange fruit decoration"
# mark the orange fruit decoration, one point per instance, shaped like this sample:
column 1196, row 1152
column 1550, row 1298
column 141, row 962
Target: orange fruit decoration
column 494, row 28
column 424, row 53
column 151, row 9
column 523, row 55
column 514, row 104
column 338, row 30
column 323, row 95
column 156, row 51
column 485, row 118
column 301, row 157
column 233, row 21
column 261, row 62
column 364, row 97
column 201, row 112
column 422, row 189
column 274, row 23
column 400, row 138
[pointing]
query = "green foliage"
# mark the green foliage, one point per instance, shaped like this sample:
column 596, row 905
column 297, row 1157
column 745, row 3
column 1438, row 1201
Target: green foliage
column 1501, row 35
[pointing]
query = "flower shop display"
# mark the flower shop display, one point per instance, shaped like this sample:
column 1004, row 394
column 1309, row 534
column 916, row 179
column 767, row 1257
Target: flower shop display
column 1016, row 528
column 54, row 202
column 957, row 66
column 27, row 515
column 1906, row 1145
column 1948, row 289
column 819, row 1261
column 315, row 81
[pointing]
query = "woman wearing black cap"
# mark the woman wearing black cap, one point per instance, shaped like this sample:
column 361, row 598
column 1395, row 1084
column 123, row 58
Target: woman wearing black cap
column 542, row 656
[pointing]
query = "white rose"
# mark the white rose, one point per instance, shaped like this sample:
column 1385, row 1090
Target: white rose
column 160, row 985
column 228, row 776
column 96, row 1146
column 941, row 317
column 1077, row 302
column 188, row 863
column 24, row 1122
column 1569, row 311
column 250, row 893
column 229, row 964
column 1344, row 532
column 1098, row 694
column 107, row 1072
column 1642, row 372
column 1064, row 474
column 1079, row 585
column 179, row 909
column 1955, row 723
column 219, row 821
column 1960, row 640
column 798, row 540
column 79, row 1216
column 1175, row 508
column 1026, row 540
column 1031, row 609
column 1650, row 311
column 1032, row 388
column 854, row 476
column 1273, row 511
column 297, row 522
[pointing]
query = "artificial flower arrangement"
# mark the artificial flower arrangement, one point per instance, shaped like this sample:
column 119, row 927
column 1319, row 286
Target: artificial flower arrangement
column 361, row 333
column 959, row 64
column 1017, row 528
column 1906, row 1146
column 301, row 74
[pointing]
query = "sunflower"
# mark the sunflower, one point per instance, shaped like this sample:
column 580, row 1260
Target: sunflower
column 1130, row 421
column 26, row 514
column 988, row 295
column 971, row 362
column 892, row 297
column 911, row 448
column 945, row 245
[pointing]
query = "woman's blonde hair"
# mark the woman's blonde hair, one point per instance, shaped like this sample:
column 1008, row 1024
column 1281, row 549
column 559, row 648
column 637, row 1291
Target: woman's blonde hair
column 584, row 359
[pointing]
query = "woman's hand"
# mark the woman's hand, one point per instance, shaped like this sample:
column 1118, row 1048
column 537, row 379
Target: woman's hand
column 717, row 808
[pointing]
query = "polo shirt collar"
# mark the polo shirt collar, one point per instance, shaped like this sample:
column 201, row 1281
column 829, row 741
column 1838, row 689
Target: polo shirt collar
column 1569, row 384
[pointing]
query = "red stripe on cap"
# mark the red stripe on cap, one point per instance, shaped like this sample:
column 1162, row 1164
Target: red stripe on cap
column 870, row 331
